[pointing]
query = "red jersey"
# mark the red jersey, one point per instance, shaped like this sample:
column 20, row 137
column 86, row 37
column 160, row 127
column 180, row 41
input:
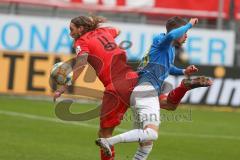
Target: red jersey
column 104, row 55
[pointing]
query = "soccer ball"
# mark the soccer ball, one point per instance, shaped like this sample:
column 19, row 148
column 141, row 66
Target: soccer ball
column 62, row 73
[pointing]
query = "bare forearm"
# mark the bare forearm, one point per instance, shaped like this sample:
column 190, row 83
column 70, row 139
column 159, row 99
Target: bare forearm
column 80, row 63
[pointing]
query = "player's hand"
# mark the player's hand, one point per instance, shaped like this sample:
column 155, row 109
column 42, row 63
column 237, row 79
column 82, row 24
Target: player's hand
column 190, row 70
column 193, row 21
column 59, row 92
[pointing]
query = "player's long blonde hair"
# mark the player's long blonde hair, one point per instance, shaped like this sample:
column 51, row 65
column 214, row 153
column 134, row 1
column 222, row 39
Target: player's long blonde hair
column 88, row 22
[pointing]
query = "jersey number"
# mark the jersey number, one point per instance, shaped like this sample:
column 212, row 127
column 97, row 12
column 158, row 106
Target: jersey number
column 109, row 46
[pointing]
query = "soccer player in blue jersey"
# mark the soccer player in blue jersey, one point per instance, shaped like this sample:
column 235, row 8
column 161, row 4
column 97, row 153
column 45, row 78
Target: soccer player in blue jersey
column 145, row 96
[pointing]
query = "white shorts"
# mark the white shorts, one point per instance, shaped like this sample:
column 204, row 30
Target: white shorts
column 145, row 105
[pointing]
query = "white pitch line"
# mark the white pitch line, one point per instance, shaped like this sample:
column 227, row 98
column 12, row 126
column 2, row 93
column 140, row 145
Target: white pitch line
column 48, row 119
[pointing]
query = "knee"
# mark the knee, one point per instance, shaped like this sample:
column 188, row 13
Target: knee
column 172, row 107
column 164, row 104
column 155, row 136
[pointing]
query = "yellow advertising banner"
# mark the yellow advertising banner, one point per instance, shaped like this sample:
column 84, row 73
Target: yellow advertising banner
column 28, row 74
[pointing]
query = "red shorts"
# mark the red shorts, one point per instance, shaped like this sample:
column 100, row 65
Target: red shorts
column 116, row 100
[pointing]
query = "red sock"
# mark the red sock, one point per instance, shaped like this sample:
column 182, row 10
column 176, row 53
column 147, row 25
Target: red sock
column 103, row 157
column 176, row 95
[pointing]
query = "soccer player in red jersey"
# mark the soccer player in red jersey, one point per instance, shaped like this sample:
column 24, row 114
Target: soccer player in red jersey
column 96, row 45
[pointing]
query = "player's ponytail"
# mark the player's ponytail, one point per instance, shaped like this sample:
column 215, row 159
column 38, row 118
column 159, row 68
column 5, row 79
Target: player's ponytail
column 89, row 23
column 95, row 21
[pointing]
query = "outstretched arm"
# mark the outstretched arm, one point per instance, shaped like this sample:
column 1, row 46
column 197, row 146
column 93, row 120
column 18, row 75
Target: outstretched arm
column 178, row 32
column 78, row 64
column 176, row 71
column 188, row 71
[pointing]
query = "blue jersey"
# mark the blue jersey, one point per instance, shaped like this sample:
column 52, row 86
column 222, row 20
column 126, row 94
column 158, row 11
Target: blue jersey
column 161, row 58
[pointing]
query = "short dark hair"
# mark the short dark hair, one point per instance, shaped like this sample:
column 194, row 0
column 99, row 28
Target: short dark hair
column 175, row 22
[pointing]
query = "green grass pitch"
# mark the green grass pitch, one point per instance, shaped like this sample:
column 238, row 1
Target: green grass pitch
column 29, row 130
